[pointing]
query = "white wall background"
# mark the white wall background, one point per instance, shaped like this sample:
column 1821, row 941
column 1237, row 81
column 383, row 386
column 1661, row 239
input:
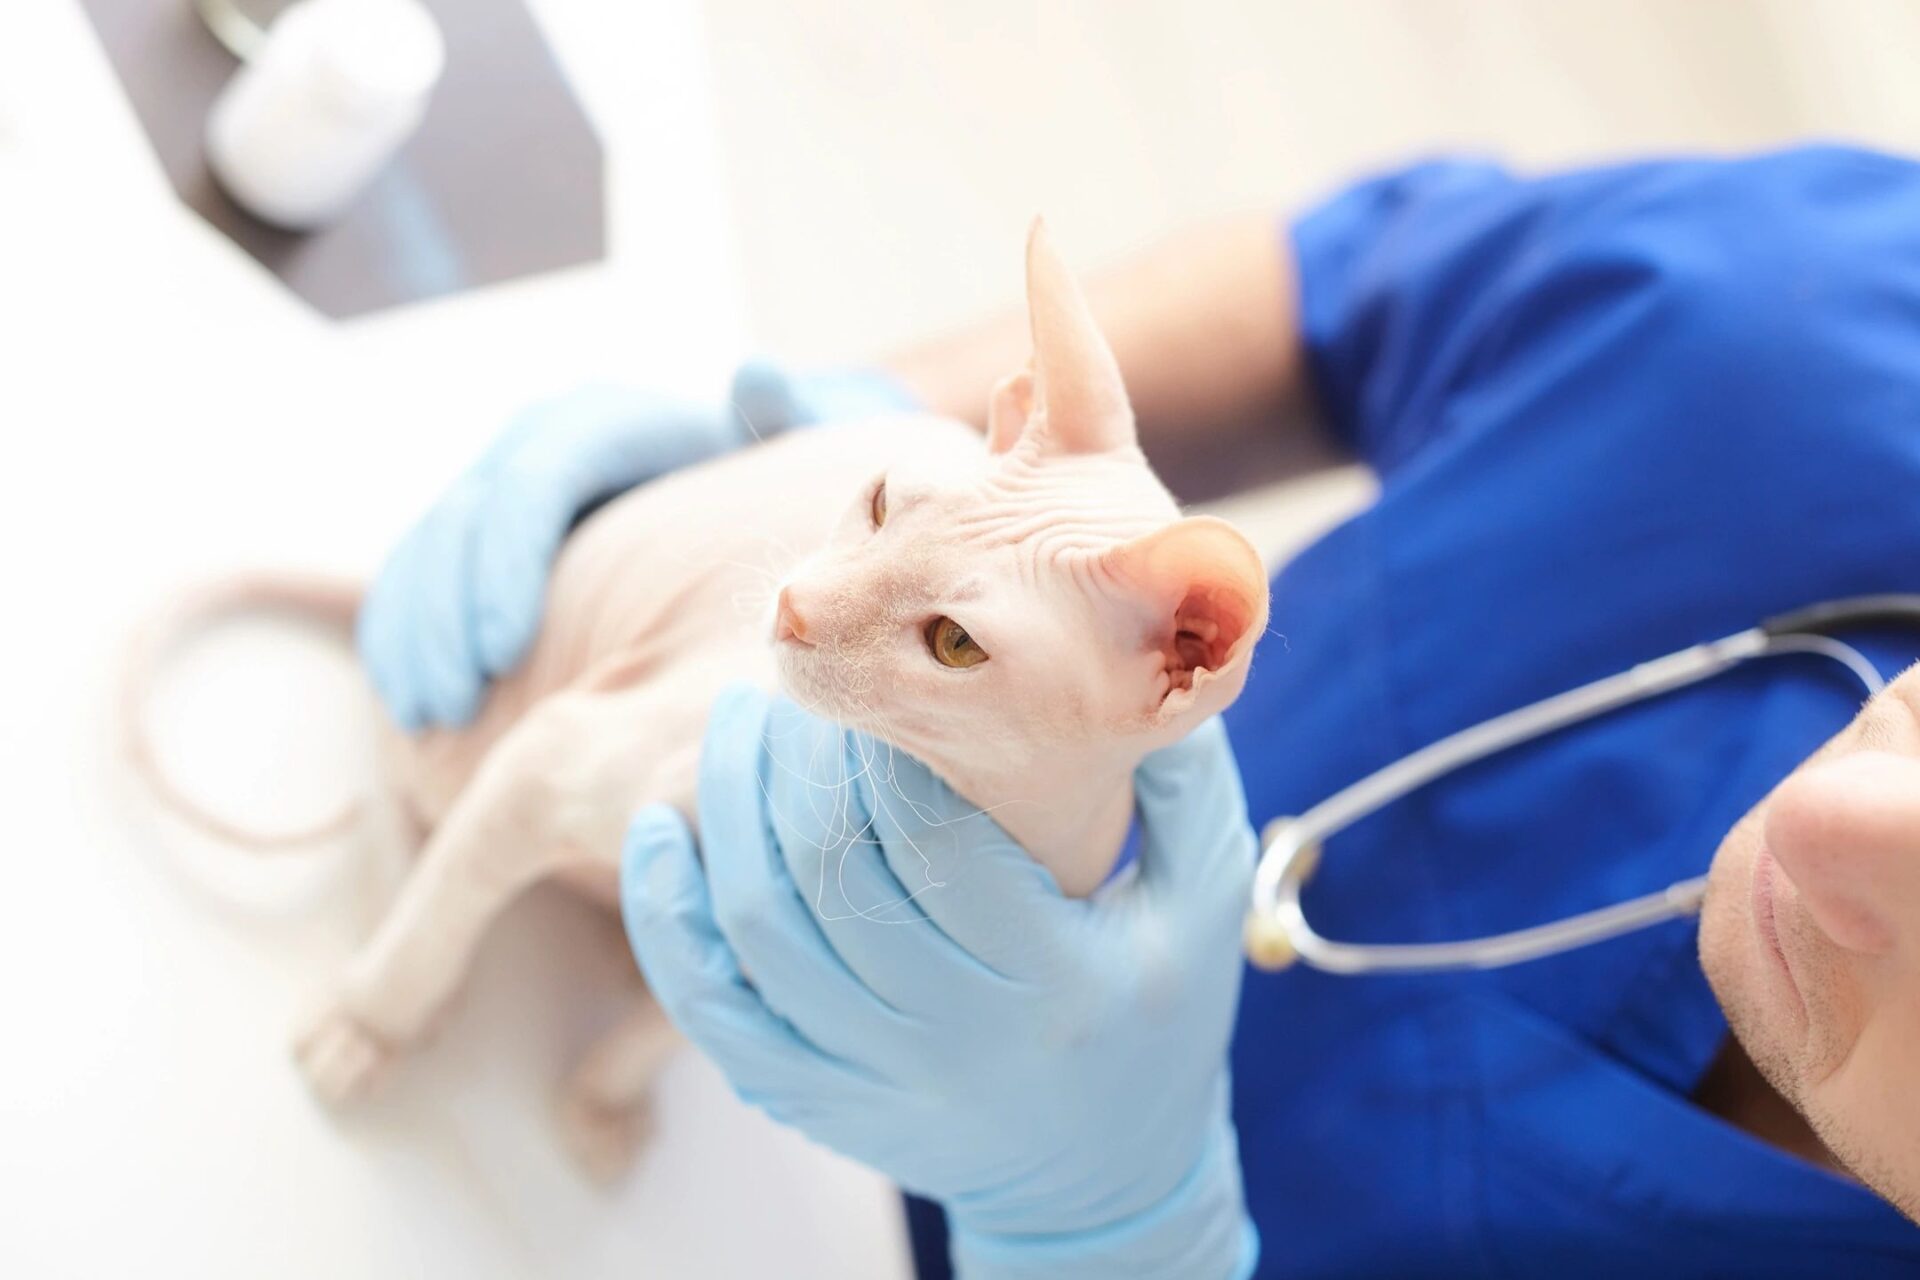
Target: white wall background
column 883, row 158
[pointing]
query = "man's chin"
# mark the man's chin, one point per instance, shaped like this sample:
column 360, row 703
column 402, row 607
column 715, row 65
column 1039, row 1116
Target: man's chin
column 1719, row 935
column 1731, row 962
column 1735, row 971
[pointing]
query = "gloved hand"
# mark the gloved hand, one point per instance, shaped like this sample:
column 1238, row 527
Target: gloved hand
column 768, row 399
column 459, row 600
column 874, row 962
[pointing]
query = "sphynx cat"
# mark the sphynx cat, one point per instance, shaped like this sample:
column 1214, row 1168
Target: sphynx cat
column 1029, row 617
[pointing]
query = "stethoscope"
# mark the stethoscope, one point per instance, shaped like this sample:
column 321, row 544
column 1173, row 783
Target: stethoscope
column 1277, row 930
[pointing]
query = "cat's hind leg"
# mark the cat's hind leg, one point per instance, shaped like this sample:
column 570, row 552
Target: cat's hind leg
column 553, row 796
column 604, row 1107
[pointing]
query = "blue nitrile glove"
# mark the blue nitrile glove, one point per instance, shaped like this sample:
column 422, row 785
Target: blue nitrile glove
column 459, row 600
column 874, row 962
column 768, row 399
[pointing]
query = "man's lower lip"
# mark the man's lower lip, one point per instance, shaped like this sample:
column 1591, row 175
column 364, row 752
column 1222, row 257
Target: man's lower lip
column 1765, row 922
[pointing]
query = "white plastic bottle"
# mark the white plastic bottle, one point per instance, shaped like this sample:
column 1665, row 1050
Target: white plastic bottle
column 336, row 88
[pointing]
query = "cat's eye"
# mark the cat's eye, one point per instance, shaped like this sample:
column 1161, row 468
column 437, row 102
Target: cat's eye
column 879, row 506
column 951, row 646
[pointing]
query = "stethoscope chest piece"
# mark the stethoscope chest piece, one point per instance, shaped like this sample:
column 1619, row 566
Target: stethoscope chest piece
column 1269, row 946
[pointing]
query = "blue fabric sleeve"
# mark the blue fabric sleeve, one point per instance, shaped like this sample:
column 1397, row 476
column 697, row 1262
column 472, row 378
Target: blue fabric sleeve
column 1431, row 285
column 1391, row 271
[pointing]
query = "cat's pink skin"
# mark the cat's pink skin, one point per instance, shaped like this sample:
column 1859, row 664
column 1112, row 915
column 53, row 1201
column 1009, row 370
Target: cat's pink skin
column 660, row 600
column 1112, row 626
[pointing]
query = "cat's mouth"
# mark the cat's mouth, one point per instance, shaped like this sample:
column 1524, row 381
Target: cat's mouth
column 799, row 668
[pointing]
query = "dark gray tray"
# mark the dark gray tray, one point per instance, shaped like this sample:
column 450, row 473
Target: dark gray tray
column 504, row 178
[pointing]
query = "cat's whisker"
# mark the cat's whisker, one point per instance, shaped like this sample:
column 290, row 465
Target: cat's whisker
column 747, row 421
column 776, row 542
column 838, row 824
column 921, row 811
column 850, row 839
column 748, row 603
column 779, row 820
column 769, row 574
column 864, row 750
column 927, row 869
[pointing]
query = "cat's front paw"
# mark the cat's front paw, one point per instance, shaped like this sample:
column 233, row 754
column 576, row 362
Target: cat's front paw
column 342, row 1058
column 602, row 1140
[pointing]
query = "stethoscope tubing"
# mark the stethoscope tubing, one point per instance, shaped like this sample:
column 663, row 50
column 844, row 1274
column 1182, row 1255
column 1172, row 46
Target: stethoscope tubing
column 1278, row 931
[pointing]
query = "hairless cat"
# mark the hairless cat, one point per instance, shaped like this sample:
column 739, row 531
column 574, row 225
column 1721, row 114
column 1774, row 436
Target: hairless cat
column 1029, row 619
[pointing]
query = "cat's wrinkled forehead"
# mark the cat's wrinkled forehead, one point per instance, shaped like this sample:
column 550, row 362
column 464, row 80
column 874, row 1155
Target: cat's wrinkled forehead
column 1029, row 496
column 1041, row 590
column 1062, row 459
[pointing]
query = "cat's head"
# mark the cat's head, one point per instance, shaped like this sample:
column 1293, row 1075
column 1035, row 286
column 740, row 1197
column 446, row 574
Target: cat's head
column 1035, row 598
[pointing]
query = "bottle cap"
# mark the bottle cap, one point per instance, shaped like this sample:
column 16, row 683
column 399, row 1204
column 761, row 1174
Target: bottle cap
column 371, row 56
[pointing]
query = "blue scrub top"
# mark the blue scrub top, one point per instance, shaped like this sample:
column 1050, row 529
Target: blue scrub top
column 1614, row 413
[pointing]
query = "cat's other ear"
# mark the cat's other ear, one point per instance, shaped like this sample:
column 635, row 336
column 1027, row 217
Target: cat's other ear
column 1079, row 403
column 1202, row 592
column 1008, row 411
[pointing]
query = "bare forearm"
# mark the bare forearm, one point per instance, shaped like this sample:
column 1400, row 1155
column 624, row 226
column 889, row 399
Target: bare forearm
column 1203, row 324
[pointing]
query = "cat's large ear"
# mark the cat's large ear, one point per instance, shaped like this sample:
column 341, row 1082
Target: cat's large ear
column 1202, row 593
column 1075, row 402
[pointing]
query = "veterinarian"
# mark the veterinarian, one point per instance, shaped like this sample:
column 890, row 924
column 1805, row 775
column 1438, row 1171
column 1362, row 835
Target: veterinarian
column 1613, row 413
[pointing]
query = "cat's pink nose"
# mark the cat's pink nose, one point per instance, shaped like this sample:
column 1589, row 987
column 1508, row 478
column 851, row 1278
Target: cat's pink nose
column 787, row 622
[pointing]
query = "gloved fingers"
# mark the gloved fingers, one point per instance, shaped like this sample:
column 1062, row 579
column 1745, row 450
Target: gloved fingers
column 555, row 459
column 450, row 680
column 532, row 490
column 825, row 835
column 383, row 657
column 1197, row 848
column 461, row 599
column 515, row 540
column 966, row 873
column 412, row 630
column 761, row 396
column 603, row 438
column 694, row 974
column 759, row 911
column 848, row 395
column 769, row 400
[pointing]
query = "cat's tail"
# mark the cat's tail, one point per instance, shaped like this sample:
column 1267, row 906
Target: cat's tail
column 328, row 602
